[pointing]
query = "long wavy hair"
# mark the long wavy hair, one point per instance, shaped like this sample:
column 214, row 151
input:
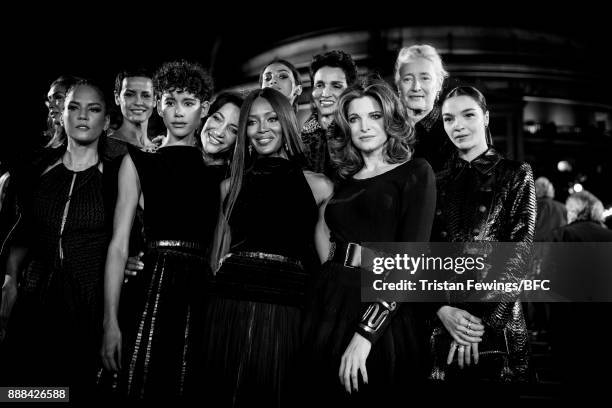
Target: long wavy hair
column 400, row 133
column 221, row 100
column 243, row 161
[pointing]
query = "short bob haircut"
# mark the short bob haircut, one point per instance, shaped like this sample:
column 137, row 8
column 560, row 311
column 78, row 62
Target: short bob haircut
column 400, row 133
column 242, row 162
column 586, row 206
column 183, row 76
column 410, row 54
column 131, row 73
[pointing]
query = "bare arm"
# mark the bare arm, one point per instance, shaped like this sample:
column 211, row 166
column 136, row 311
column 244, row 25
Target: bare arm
column 14, row 265
column 322, row 235
column 322, row 190
column 127, row 200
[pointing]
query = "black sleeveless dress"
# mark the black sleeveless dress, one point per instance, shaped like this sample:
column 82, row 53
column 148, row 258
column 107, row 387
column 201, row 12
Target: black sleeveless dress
column 56, row 326
column 253, row 318
column 181, row 196
column 396, row 206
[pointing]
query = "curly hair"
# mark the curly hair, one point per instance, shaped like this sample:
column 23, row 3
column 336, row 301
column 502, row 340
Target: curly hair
column 584, row 206
column 400, row 133
column 335, row 59
column 183, row 76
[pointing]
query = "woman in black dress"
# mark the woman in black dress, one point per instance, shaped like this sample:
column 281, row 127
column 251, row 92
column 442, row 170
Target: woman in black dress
column 266, row 253
column 65, row 230
column 483, row 197
column 385, row 196
column 155, row 359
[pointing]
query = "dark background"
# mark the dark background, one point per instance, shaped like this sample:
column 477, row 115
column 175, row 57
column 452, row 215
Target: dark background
column 97, row 40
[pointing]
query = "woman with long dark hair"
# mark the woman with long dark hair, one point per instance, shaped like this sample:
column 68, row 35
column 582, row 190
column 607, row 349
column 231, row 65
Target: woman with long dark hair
column 220, row 130
column 282, row 75
column 264, row 248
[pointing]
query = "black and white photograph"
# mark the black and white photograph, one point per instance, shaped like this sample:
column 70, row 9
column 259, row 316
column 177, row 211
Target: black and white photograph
column 280, row 149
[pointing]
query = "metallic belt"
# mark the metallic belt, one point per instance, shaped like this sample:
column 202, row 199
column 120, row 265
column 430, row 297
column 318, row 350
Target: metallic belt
column 345, row 253
column 175, row 244
column 264, row 256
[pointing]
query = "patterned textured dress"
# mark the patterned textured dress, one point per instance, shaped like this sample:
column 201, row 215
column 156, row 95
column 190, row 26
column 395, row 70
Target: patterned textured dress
column 58, row 315
column 489, row 199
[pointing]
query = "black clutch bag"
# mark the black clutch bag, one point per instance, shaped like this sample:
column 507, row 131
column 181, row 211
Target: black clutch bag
column 493, row 365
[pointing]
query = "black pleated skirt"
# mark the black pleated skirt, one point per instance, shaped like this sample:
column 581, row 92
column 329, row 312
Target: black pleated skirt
column 252, row 332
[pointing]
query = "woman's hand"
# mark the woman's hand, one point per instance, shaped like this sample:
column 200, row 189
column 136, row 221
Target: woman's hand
column 461, row 325
column 111, row 347
column 133, row 266
column 464, row 354
column 354, row 360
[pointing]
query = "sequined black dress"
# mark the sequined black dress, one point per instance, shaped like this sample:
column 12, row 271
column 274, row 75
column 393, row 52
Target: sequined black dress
column 253, row 318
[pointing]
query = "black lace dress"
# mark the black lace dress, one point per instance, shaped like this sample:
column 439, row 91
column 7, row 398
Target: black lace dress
column 253, row 319
column 396, row 206
column 181, row 196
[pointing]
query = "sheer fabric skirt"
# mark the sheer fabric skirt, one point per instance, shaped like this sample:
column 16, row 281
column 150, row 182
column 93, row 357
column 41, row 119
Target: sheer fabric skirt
column 252, row 332
column 397, row 361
